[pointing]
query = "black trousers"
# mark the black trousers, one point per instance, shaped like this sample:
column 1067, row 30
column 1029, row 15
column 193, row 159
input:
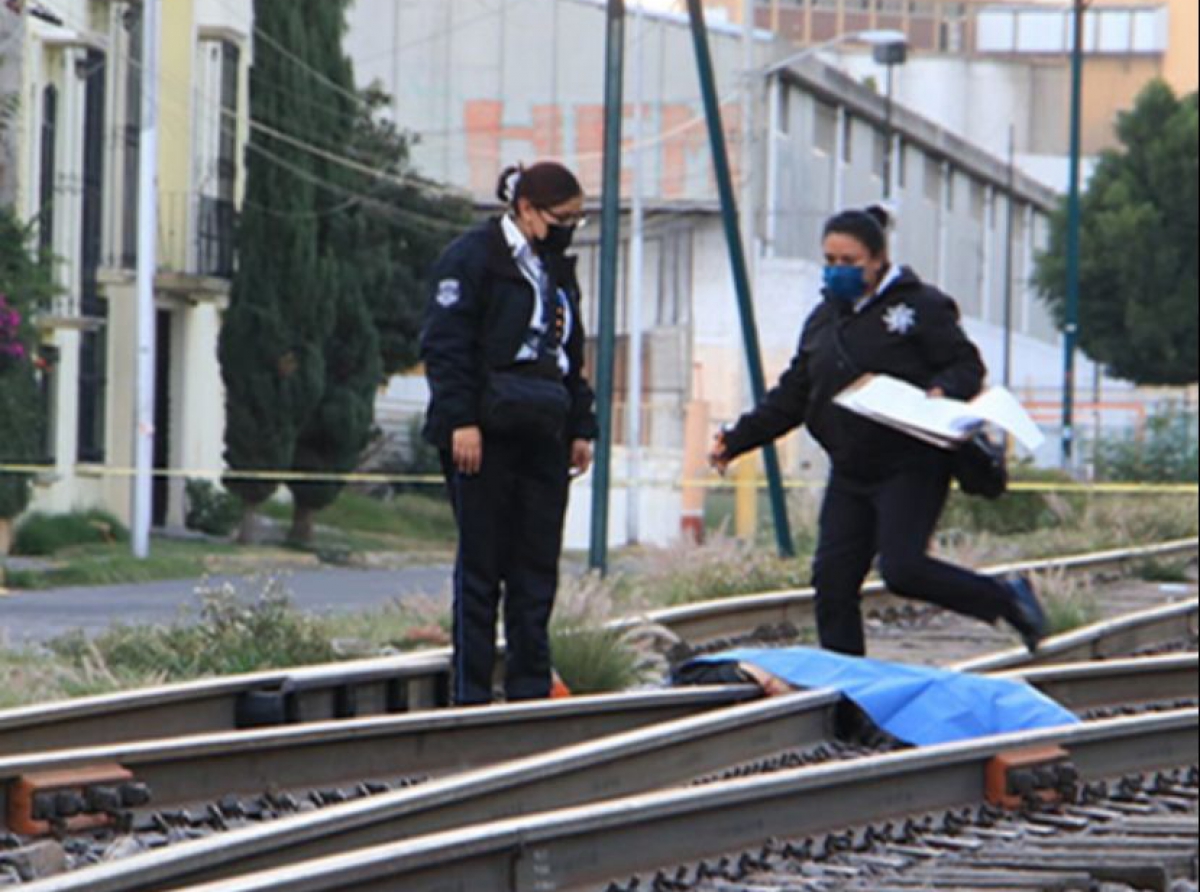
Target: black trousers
column 894, row 518
column 510, row 523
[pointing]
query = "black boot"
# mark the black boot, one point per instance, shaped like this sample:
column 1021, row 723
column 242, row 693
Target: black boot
column 1027, row 615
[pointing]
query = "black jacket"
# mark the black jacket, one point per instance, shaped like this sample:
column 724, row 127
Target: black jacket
column 478, row 315
column 911, row 331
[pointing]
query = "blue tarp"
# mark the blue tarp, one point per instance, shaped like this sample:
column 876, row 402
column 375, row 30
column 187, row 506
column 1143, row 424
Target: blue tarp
column 919, row 705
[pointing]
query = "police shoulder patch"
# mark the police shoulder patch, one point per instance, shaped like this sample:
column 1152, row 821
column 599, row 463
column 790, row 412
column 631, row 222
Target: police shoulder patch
column 449, row 292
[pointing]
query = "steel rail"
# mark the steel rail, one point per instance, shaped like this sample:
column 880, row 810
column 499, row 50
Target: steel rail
column 1121, row 636
column 580, row 849
column 312, row 693
column 632, row 762
column 202, row 769
column 421, row 681
column 742, row 615
column 1138, row 681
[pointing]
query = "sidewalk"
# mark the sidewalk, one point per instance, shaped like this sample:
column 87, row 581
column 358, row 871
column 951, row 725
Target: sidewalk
column 31, row 617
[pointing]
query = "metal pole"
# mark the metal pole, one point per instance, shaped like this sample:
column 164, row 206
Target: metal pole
column 1010, row 231
column 889, row 135
column 1074, row 225
column 737, row 258
column 637, row 254
column 143, row 433
column 610, row 235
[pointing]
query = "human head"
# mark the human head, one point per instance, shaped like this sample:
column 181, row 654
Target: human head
column 857, row 239
column 546, row 201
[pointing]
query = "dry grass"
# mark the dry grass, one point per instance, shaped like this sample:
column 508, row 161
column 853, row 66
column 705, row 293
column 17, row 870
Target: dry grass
column 1069, row 599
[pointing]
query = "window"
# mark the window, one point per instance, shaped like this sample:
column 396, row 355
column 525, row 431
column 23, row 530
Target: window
column 978, row 201
column 215, row 227
column 825, row 122
column 933, row 180
column 93, row 395
column 93, row 360
column 951, row 183
column 902, row 159
column 49, row 152
column 132, row 21
column 847, row 139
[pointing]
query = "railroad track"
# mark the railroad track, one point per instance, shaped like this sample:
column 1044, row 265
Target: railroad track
column 420, row 681
column 801, row 727
column 602, row 845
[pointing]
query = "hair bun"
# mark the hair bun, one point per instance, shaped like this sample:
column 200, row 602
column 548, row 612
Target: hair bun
column 506, row 187
column 881, row 215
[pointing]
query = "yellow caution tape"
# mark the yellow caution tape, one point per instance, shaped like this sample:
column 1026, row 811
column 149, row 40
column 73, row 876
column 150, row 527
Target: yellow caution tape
column 710, row 483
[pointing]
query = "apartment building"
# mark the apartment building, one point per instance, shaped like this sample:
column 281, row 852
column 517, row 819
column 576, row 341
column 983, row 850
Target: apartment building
column 77, row 143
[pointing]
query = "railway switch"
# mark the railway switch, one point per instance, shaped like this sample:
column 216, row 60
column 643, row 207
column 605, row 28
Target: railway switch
column 69, row 800
column 1042, row 775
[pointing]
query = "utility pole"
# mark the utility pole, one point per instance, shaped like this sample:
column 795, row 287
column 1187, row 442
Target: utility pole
column 637, row 262
column 610, row 243
column 1009, row 231
column 143, row 433
column 737, row 259
column 1074, row 227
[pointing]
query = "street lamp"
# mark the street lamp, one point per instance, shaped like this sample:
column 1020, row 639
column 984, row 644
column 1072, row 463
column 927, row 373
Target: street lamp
column 889, row 54
column 890, row 44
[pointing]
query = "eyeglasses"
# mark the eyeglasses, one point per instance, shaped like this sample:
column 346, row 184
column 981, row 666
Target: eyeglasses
column 575, row 221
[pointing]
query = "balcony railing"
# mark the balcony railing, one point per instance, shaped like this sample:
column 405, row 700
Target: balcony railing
column 196, row 236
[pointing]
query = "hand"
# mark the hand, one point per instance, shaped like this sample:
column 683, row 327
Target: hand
column 936, row 393
column 581, row 457
column 718, row 457
column 772, row 685
column 467, row 450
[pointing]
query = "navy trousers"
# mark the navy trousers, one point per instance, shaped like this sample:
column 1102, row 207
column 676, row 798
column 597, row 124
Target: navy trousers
column 892, row 518
column 510, row 523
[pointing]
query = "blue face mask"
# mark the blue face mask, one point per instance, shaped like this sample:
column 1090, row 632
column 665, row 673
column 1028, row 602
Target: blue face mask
column 845, row 283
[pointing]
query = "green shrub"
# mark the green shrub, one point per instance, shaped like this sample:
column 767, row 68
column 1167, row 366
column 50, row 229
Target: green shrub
column 1166, row 451
column 1018, row 511
column 211, row 509
column 41, row 535
column 230, row 636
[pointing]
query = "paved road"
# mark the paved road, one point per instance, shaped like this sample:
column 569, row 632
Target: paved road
column 29, row 617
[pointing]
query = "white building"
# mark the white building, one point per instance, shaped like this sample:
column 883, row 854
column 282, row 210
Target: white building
column 77, row 140
column 486, row 85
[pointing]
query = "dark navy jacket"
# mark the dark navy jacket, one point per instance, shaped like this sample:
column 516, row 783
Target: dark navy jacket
column 911, row 331
column 479, row 312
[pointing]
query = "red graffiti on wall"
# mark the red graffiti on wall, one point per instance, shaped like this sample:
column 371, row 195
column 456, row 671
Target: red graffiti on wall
column 676, row 141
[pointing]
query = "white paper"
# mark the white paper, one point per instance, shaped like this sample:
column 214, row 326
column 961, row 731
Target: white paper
column 939, row 420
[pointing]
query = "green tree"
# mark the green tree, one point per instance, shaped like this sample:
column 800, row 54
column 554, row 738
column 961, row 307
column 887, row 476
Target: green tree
column 271, row 345
column 1140, row 291
column 364, row 230
column 25, row 287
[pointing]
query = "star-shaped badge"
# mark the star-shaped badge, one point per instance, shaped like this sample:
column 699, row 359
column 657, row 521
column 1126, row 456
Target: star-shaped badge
column 900, row 319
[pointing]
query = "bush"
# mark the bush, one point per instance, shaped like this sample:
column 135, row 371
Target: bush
column 42, row 535
column 211, row 509
column 1015, row 513
column 231, row 637
column 1167, row 451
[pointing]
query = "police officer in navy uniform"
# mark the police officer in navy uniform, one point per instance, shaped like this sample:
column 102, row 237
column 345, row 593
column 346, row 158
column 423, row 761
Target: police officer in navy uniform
column 513, row 417
column 886, row 490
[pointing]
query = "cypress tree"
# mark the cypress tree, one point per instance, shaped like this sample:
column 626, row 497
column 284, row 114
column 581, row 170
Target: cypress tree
column 271, row 346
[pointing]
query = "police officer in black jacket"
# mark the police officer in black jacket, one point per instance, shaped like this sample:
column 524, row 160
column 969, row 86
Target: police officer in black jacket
column 513, row 417
column 886, row 490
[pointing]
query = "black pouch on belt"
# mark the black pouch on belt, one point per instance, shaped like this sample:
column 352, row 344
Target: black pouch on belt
column 526, row 402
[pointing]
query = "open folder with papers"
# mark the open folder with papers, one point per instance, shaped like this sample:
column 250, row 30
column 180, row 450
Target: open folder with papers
column 941, row 421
